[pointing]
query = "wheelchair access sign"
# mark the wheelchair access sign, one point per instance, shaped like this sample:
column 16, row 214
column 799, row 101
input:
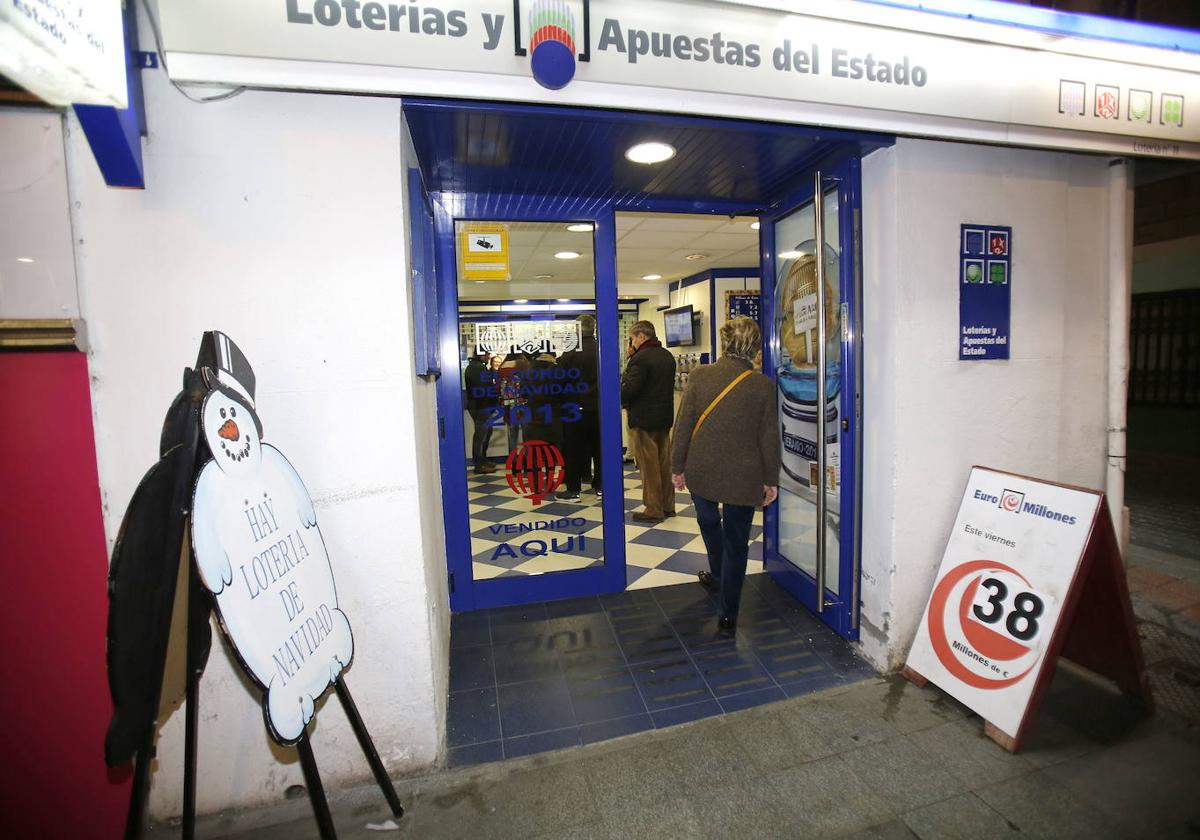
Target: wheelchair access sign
column 1005, row 598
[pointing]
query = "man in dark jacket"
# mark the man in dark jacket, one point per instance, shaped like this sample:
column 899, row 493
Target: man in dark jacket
column 481, row 388
column 581, row 437
column 648, row 392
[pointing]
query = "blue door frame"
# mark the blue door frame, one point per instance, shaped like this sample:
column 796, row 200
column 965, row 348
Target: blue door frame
column 466, row 593
column 841, row 612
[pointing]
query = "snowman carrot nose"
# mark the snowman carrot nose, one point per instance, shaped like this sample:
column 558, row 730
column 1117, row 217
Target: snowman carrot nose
column 228, row 430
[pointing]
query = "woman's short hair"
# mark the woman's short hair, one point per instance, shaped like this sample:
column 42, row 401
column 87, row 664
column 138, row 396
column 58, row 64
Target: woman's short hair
column 741, row 338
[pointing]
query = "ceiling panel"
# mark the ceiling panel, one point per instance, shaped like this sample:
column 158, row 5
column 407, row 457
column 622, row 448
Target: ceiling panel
column 576, row 156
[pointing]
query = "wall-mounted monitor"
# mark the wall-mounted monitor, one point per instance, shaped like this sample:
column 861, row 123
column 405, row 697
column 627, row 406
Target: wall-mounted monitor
column 680, row 326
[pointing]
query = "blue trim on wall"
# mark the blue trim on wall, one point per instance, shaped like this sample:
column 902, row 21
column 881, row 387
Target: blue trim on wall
column 116, row 135
column 1060, row 23
column 711, row 275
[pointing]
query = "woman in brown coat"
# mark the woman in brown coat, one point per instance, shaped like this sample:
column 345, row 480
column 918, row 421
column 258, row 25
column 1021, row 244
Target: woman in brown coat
column 726, row 451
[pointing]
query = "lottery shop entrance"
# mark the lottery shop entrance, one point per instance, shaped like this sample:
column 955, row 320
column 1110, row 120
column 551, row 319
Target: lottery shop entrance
column 548, row 243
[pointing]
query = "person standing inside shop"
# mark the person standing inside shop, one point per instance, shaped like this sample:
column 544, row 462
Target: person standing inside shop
column 648, row 393
column 481, row 387
column 581, row 439
column 726, row 452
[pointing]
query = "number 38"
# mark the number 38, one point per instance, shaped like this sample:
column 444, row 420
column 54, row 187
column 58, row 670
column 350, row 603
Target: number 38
column 1021, row 621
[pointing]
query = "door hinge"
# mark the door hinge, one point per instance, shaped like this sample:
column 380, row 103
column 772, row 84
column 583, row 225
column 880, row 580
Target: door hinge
column 442, row 428
column 452, row 583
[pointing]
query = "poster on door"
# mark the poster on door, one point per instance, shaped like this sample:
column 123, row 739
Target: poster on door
column 1012, row 557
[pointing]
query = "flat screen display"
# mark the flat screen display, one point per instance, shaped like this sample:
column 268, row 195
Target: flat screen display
column 678, row 323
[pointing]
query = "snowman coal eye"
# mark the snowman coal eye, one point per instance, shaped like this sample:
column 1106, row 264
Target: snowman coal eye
column 233, row 412
column 222, row 414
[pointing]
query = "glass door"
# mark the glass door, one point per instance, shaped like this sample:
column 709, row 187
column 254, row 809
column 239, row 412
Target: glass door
column 528, row 435
column 810, row 261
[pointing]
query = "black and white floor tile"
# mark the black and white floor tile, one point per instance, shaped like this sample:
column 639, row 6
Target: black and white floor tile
column 659, row 554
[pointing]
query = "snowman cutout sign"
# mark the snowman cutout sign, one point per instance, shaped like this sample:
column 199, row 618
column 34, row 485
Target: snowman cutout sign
column 259, row 550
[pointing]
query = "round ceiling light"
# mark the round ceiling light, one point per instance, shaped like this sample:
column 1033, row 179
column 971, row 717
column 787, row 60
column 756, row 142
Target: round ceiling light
column 754, row 226
column 651, row 276
column 25, row 259
column 564, row 300
column 521, row 300
column 652, row 152
column 567, row 255
column 694, row 257
column 581, row 227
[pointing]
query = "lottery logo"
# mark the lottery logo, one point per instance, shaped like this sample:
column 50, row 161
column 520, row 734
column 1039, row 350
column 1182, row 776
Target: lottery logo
column 535, row 470
column 986, row 624
column 1107, row 102
column 552, row 43
column 1011, row 501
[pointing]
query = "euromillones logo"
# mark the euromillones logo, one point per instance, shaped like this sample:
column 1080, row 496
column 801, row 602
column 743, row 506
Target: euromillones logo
column 553, row 40
column 1013, row 501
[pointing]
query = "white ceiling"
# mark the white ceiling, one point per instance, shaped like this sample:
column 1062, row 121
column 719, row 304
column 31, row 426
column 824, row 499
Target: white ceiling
column 647, row 243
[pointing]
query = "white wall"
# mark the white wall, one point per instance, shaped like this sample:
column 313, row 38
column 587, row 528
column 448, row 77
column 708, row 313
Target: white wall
column 928, row 416
column 279, row 218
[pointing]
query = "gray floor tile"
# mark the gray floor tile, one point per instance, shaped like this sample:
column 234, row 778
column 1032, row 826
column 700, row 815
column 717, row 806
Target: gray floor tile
column 674, row 819
column 903, row 775
column 961, row 816
column 827, row 798
column 891, row 830
column 906, row 707
column 774, row 742
column 967, row 754
column 1051, row 742
column 1042, row 808
column 1149, row 784
column 748, row 808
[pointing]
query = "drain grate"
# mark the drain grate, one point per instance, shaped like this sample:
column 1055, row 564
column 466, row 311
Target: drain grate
column 1173, row 665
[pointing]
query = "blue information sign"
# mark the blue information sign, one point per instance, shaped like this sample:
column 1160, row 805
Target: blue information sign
column 742, row 303
column 984, row 280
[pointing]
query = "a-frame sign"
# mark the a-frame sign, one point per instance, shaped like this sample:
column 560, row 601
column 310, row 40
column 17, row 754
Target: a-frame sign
column 1032, row 572
column 226, row 512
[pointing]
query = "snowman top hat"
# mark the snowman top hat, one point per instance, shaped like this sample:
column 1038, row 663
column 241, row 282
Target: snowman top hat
column 226, row 368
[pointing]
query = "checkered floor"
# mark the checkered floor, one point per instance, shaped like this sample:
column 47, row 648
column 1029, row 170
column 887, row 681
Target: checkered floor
column 666, row 553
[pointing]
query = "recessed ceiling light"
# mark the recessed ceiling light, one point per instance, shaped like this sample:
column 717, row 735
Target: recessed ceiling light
column 754, row 225
column 542, row 276
column 25, row 259
column 790, row 255
column 480, row 281
column 694, row 257
column 581, row 227
column 651, row 276
column 564, row 300
column 652, row 152
column 521, row 300
column 567, row 255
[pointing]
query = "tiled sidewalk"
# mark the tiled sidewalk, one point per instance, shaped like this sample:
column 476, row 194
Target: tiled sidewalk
column 547, row 676
column 876, row 759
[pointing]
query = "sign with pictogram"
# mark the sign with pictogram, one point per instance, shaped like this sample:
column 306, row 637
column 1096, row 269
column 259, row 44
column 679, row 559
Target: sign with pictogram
column 1031, row 572
column 483, row 251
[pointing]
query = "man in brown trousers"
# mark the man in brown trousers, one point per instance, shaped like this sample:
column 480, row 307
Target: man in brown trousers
column 648, row 393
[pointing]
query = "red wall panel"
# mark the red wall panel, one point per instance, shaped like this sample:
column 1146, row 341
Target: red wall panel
column 54, row 706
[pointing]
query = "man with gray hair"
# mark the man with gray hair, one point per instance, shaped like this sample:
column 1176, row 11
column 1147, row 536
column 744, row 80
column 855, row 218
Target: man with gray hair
column 648, row 392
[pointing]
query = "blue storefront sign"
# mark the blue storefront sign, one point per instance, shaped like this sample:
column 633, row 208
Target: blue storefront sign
column 984, row 300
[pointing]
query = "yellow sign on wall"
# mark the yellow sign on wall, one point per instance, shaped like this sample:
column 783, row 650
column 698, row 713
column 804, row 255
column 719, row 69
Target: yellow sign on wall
column 483, row 252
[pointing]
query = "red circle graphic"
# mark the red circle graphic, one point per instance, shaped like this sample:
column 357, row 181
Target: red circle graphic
column 534, row 470
column 937, row 628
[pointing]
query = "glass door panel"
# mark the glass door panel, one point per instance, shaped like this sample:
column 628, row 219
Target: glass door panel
column 806, row 333
column 528, row 365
